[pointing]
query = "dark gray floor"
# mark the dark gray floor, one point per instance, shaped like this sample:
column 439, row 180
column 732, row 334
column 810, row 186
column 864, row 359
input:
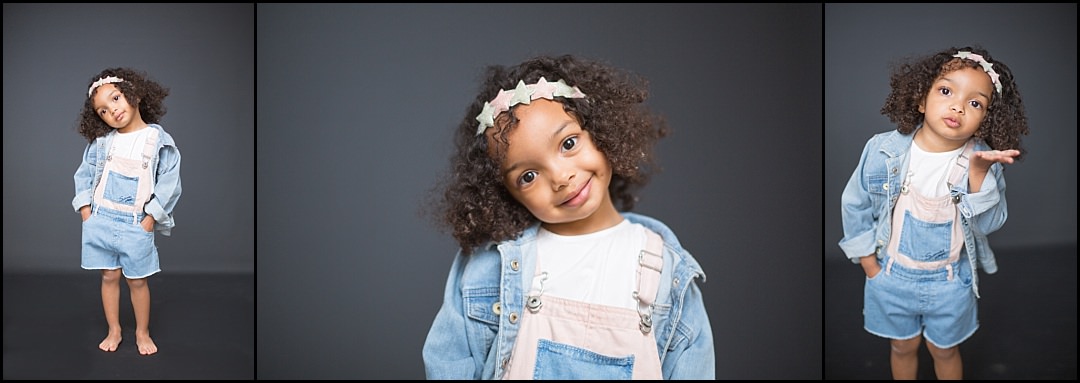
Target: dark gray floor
column 1027, row 321
column 203, row 325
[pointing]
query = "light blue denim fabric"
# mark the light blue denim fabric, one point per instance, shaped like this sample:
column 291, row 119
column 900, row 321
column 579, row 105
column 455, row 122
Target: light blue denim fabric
column 870, row 195
column 469, row 340
column 166, row 179
column 113, row 239
column 901, row 303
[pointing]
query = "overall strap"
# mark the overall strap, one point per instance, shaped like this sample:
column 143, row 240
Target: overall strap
column 650, row 264
column 960, row 167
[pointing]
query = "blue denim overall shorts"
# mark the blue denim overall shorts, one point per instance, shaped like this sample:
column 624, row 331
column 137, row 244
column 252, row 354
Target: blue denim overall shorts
column 567, row 339
column 113, row 238
column 924, row 286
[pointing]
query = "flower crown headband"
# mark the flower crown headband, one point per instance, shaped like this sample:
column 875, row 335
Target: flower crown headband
column 986, row 66
column 100, row 82
column 523, row 94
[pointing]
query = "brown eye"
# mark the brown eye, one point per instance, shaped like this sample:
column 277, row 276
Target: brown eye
column 569, row 143
column 527, row 177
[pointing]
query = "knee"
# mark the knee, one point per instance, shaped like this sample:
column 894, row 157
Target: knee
column 905, row 346
column 136, row 283
column 942, row 353
column 110, row 276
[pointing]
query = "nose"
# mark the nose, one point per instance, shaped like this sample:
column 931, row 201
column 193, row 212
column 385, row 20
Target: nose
column 957, row 109
column 562, row 181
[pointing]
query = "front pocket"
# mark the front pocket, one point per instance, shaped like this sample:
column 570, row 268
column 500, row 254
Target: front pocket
column 924, row 241
column 483, row 322
column 558, row 361
column 121, row 188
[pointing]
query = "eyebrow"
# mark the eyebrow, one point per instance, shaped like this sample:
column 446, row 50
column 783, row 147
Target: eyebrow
column 553, row 135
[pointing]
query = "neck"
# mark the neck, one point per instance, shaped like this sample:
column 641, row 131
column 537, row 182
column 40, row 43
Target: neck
column 933, row 145
column 134, row 126
column 604, row 217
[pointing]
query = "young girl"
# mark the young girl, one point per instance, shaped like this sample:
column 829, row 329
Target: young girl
column 924, row 197
column 125, row 188
column 551, row 280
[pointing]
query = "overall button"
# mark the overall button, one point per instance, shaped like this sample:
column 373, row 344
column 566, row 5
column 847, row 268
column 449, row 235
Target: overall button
column 514, row 265
column 497, row 308
column 513, row 318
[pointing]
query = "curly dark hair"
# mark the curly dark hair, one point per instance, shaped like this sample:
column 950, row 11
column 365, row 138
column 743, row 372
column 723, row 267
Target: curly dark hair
column 910, row 81
column 139, row 90
column 475, row 205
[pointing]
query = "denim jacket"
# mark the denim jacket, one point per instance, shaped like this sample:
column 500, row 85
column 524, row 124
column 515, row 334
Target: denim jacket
column 469, row 340
column 871, row 194
column 166, row 179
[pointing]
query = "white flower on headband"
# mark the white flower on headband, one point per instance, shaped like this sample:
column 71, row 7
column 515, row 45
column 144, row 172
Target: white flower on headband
column 100, row 82
column 523, row 94
column 986, row 66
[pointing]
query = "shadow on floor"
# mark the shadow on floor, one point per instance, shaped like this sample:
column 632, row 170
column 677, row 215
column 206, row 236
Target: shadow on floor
column 203, row 325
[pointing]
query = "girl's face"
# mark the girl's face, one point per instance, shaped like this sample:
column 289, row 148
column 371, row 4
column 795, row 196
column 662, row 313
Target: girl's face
column 113, row 108
column 553, row 168
column 953, row 109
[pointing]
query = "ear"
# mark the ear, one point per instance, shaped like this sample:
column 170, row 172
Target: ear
column 922, row 105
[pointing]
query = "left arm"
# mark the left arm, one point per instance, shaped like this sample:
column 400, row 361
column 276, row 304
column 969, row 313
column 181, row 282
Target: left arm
column 166, row 190
column 696, row 359
column 985, row 200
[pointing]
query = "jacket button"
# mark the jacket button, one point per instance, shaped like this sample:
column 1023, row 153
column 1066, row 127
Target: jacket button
column 514, row 265
column 497, row 308
column 675, row 282
column 893, row 170
column 885, row 186
column 513, row 318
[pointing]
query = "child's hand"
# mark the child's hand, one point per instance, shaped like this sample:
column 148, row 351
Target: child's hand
column 980, row 164
column 85, row 211
column 870, row 265
column 983, row 159
column 148, row 223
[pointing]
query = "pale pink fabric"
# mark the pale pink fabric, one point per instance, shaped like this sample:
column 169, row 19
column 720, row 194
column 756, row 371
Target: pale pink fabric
column 131, row 168
column 933, row 210
column 605, row 330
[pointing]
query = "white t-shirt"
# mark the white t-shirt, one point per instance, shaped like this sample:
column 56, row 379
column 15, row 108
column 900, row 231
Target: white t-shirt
column 930, row 171
column 598, row 268
column 130, row 145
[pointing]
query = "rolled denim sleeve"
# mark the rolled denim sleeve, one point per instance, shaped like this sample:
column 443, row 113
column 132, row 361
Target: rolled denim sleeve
column 166, row 189
column 446, row 351
column 84, row 177
column 858, row 213
column 988, row 206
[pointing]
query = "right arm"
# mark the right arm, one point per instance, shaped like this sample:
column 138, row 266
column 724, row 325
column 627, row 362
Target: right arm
column 859, row 216
column 84, row 179
column 446, row 352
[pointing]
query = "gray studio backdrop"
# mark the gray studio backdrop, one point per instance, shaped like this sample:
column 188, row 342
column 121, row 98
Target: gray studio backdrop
column 204, row 53
column 356, row 106
column 1036, row 41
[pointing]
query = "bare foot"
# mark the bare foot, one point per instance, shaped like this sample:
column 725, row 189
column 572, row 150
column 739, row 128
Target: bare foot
column 111, row 341
column 146, row 345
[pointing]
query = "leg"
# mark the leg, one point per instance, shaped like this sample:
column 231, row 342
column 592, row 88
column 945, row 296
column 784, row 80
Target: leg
column 110, row 300
column 947, row 363
column 140, row 302
column 905, row 358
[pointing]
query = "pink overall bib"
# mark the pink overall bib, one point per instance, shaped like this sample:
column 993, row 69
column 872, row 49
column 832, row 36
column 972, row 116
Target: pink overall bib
column 936, row 222
column 130, row 175
column 567, row 339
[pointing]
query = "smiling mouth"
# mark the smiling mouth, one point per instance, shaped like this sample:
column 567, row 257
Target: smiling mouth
column 579, row 196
